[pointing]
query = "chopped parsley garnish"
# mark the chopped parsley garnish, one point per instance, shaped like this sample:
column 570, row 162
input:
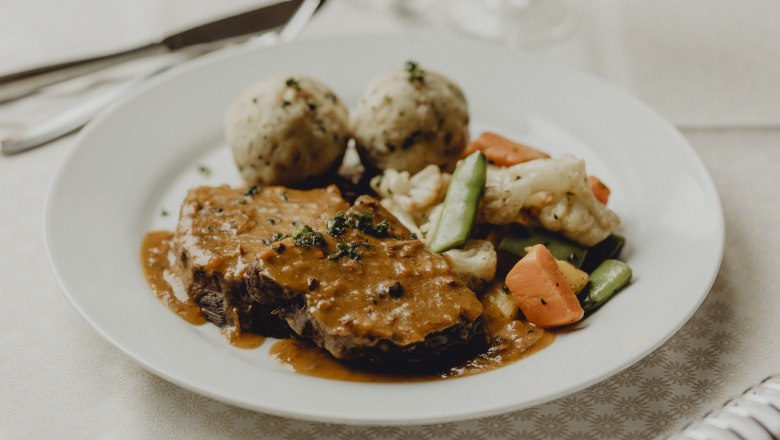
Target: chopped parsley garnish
column 270, row 221
column 283, row 196
column 306, row 237
column 252, row 190
column 164, row 213
column 337, row 225
column 276, row 237
column 351, row 250
column 380, row 229
column 203, row 169
column 291, row 82
column 241, row 201
column 412, row 236
column 364, row 221
column 414, row 71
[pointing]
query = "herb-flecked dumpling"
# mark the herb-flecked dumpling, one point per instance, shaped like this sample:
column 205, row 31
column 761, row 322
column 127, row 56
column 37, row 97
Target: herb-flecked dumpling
column 287, row 130
column 409, row 118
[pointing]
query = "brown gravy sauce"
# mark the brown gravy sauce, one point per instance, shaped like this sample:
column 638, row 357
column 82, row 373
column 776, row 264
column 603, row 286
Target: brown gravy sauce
column 238, row 339
column 516, row 341
column 513, row 342
column 155, row 250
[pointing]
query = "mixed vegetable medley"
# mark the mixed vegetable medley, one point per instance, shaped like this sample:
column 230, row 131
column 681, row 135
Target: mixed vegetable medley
column 532, row 232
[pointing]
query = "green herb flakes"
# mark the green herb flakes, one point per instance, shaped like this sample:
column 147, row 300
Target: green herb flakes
column 351, row 250
column 337, row 225
column 203, row 169
column 364, row 221
column 276, row 237
column 293, row 83
column 415, row 73
column 306, row 237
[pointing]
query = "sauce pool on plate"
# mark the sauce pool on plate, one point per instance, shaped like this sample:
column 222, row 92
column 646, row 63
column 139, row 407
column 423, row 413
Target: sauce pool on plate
column 514, row 342
column 155, row 254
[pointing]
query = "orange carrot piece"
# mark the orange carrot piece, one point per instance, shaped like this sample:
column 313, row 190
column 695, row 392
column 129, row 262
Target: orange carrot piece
column 540, row 290
column 503, row 152
column 600, row 190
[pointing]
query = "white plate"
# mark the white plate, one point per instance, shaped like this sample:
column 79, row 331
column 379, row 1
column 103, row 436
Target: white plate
column 141, row 156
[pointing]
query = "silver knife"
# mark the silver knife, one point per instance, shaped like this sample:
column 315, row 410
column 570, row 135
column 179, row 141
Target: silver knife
column 76, row 117
column 19, row 84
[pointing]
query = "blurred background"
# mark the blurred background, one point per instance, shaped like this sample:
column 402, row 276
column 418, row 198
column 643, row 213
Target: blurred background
column 699, row 62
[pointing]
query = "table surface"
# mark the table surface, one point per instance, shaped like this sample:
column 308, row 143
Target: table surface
column 711, row 68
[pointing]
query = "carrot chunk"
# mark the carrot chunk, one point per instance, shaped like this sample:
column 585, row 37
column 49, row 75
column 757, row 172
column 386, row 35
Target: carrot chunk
column 503, row 152
column 541, row 291
column 600, row 190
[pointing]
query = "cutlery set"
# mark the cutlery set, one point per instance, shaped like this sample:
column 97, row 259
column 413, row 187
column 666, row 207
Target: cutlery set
column 253, row 27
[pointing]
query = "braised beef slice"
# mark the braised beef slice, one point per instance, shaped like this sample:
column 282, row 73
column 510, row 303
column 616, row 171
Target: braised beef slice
column 220, row 231
column 370, row 293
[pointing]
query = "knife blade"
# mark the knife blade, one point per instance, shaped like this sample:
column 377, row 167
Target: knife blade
column 261, row 19
column 18, row 84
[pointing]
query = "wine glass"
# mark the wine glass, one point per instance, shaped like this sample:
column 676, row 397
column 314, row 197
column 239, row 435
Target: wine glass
column 527, row 23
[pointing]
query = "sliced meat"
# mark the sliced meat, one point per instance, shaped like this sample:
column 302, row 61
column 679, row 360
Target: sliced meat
column 279, row 261
column 220, row 231
column 369, row 293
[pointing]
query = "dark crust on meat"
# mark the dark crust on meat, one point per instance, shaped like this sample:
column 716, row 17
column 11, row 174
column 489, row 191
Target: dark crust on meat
column 263, row 290
column 208, row 292
column 294, row 312
column 384, row 351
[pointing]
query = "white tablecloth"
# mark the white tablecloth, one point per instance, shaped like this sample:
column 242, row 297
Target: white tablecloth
column 712, row 68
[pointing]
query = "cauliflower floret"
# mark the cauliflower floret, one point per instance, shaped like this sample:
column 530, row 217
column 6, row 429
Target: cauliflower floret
column 558, row 188
column 404, row 217
column 412, row 198
column 412, row 193
column 429, row 222
column 475, row 263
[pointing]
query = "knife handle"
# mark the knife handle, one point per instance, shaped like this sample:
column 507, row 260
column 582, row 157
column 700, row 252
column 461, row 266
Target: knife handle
column 19, row 84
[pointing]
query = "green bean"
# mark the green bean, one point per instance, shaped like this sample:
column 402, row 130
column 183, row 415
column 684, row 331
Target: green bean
column 460, row 204
column 518, row 238
column 605, row 282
